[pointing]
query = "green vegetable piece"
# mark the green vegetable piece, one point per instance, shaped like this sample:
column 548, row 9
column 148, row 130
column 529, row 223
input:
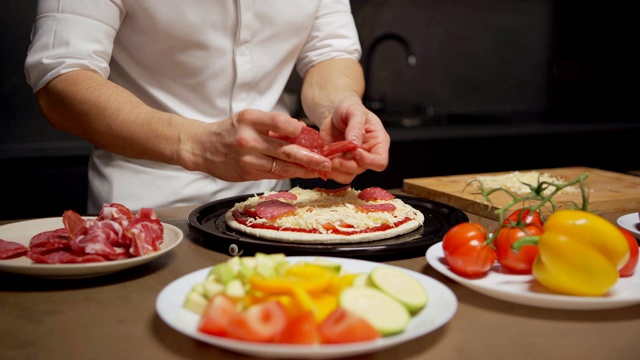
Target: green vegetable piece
column 195, row 302
column 234, row 288
column 383, row 312
column 222, row 273
column 400, row 286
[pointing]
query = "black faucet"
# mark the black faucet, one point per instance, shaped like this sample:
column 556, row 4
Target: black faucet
column 378, row 105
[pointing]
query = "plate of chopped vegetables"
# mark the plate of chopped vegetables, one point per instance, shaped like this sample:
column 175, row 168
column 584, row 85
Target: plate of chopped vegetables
column 186, row 303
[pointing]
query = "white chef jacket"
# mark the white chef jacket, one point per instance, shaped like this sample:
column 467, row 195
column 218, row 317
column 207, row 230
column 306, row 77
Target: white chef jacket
column 201, row 59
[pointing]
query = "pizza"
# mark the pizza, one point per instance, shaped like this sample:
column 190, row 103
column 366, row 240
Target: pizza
column 343, row 215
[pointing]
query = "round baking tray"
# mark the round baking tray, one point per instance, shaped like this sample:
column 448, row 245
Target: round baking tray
column 207, row 222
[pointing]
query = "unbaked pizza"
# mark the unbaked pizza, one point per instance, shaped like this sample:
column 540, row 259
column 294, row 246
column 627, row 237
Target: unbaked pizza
column 343, row 215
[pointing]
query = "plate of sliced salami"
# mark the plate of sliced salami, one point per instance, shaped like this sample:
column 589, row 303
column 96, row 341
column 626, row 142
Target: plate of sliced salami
column 15, row 235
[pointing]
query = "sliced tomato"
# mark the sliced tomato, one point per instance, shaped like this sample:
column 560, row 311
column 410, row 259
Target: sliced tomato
column 262, row 322
column 301, row 329
column 629, row 268
column 342, row 326
column 217, row 316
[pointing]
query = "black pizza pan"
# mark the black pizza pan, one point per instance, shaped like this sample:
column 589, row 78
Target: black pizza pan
column 208, row 224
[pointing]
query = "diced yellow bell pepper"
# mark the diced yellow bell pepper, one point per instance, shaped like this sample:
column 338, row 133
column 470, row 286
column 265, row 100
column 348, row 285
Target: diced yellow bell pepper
column 311, row 278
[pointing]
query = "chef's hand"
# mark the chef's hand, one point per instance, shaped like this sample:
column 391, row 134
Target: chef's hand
column 351, row 120
column 243, row 148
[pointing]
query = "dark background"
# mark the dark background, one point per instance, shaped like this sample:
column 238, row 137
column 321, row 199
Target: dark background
column 498, row 85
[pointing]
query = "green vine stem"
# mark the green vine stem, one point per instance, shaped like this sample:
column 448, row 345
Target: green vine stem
column 535, row 199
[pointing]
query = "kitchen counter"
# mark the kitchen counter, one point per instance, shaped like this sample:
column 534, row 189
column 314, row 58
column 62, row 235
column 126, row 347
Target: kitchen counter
column 114, row 317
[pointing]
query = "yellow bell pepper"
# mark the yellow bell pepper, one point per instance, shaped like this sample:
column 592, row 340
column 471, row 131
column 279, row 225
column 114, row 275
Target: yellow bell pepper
column 580, row 254
column 311, row 278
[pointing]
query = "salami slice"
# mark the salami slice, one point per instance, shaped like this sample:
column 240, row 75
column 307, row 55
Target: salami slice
column 375, row 193
column 64, row 257
column 50, row 241
column 273, row 209
column 12, row 249
column 308, row 138
column 338, row 147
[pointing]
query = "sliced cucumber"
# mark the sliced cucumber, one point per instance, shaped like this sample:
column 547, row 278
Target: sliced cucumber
column 400, row 286
column 361, row 280
column 383, row 312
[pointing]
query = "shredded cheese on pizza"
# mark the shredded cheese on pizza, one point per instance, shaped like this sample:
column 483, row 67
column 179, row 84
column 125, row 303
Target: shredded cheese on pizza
column 316, row 209
column 513, row 181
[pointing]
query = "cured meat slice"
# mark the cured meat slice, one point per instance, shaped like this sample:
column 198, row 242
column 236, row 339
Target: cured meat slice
column 116, row 212
column 146, row 235
column 98, row 240
column 12, row 249
column 64, row 257
column 273, row 209
column 338, row 147
column 50, row 241
column 311, row 139
column 308, row 138
column 284, row 195
column 375, row 193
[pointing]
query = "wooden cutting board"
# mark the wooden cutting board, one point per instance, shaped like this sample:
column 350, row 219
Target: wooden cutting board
column 609, row 192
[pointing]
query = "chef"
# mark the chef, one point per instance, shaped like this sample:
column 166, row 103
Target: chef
column 183, row 102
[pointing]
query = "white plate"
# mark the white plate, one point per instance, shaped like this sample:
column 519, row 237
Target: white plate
column 631, row 222
column 22, row 232
column 440, row 309
column 524, row 289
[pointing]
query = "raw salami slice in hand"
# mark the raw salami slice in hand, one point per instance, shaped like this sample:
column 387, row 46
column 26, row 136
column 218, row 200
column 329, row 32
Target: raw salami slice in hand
column 311, row 139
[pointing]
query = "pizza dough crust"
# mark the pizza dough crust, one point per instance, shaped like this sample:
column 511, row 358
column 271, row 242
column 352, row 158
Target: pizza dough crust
column 315, row 238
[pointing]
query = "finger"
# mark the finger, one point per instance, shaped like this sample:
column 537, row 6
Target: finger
column 265, row 122
column 370, row 160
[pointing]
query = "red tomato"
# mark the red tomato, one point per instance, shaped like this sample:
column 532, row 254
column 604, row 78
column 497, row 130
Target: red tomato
column 261, row 322
column 525, row 216
column 301, row 329
column 629, row 268
column 217, row 316
column 342, row 326
column 519, row 262
column 466, row 249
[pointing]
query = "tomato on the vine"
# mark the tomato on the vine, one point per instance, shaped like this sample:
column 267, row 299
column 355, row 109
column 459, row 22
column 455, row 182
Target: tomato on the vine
column 519, row 262
column 518, row 224
column 525, row 216
column 629, row 268
column 466, row 249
